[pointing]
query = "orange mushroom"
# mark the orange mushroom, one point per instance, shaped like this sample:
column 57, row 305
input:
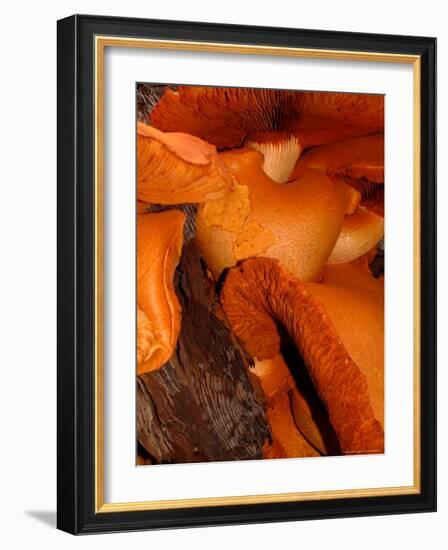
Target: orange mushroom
column 337, row 328
column 279, row 389
column 358, row 162
column 178, row 168
column 159, row 243
column 245, row 213
column 297, row 223
column 360, row 232
column 328, row 117
column 278, row 123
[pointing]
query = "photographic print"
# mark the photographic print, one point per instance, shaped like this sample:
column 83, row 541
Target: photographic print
column 240, row 339
column 260, row 274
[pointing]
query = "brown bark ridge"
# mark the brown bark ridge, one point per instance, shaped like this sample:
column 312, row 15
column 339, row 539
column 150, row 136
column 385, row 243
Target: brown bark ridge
column 201, row 405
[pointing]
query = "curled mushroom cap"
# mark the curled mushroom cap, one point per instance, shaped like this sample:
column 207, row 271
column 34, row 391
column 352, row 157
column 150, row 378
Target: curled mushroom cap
column 278, row 123
column 297, row 223
column 329, row 324
column 159, row 243
column 178, row 168
column 280, row 152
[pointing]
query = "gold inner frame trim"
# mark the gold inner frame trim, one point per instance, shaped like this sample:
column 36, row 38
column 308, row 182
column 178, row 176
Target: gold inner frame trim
column 101, row 42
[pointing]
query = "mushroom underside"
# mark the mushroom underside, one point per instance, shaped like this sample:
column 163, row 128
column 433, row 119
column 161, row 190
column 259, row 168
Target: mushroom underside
column 279, row 123
column 258, row 296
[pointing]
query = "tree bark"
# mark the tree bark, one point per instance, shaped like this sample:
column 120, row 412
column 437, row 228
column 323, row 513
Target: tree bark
column 201, row 405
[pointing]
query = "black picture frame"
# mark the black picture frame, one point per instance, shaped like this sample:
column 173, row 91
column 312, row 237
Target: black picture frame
column 76, row 253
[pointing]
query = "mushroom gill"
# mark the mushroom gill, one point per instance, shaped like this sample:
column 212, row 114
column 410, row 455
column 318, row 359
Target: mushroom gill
column 337, row 328
column 176, row 168
column 278, row 123
column 159, row 243
column 280, row 152
column 297, row 223
column 328, row 117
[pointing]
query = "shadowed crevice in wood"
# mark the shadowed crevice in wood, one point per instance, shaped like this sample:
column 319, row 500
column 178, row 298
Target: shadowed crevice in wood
column 201, row 405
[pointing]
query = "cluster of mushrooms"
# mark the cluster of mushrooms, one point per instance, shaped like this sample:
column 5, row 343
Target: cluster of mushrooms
column 288, row 189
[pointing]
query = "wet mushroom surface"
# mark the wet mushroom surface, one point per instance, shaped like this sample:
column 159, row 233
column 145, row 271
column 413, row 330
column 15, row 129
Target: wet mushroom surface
column 260, row 274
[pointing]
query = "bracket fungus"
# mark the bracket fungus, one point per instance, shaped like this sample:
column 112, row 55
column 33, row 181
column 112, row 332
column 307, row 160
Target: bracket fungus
column 159, row 243
column 174, row 168
column 337, row 328
column 278, row 123
column 297, row 223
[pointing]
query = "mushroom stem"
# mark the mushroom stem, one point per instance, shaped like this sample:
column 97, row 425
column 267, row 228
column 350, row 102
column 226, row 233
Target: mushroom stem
column 280, row 151
column 257, row 295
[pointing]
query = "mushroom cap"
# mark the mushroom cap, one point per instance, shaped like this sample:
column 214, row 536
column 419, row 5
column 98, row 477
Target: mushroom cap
column 353, row 157
column 159, row 243
column 354, row 302
column 358, row 161
column 333, row 116
column 297, row 223
column 177, row 168
column 227, row 116
column 224, row 116
column 329, row 323
column 360, row 232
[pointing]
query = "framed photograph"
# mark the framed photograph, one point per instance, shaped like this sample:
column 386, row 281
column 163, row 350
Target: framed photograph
column 246, row 274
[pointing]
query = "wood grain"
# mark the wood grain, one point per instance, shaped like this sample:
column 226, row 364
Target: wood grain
column 201, row 405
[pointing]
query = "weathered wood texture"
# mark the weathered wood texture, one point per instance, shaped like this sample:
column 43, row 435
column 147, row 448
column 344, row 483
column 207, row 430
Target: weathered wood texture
column 147, row 97
column 201, row 405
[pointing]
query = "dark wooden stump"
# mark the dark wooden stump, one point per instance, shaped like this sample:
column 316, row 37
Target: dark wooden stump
column 201, row 405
